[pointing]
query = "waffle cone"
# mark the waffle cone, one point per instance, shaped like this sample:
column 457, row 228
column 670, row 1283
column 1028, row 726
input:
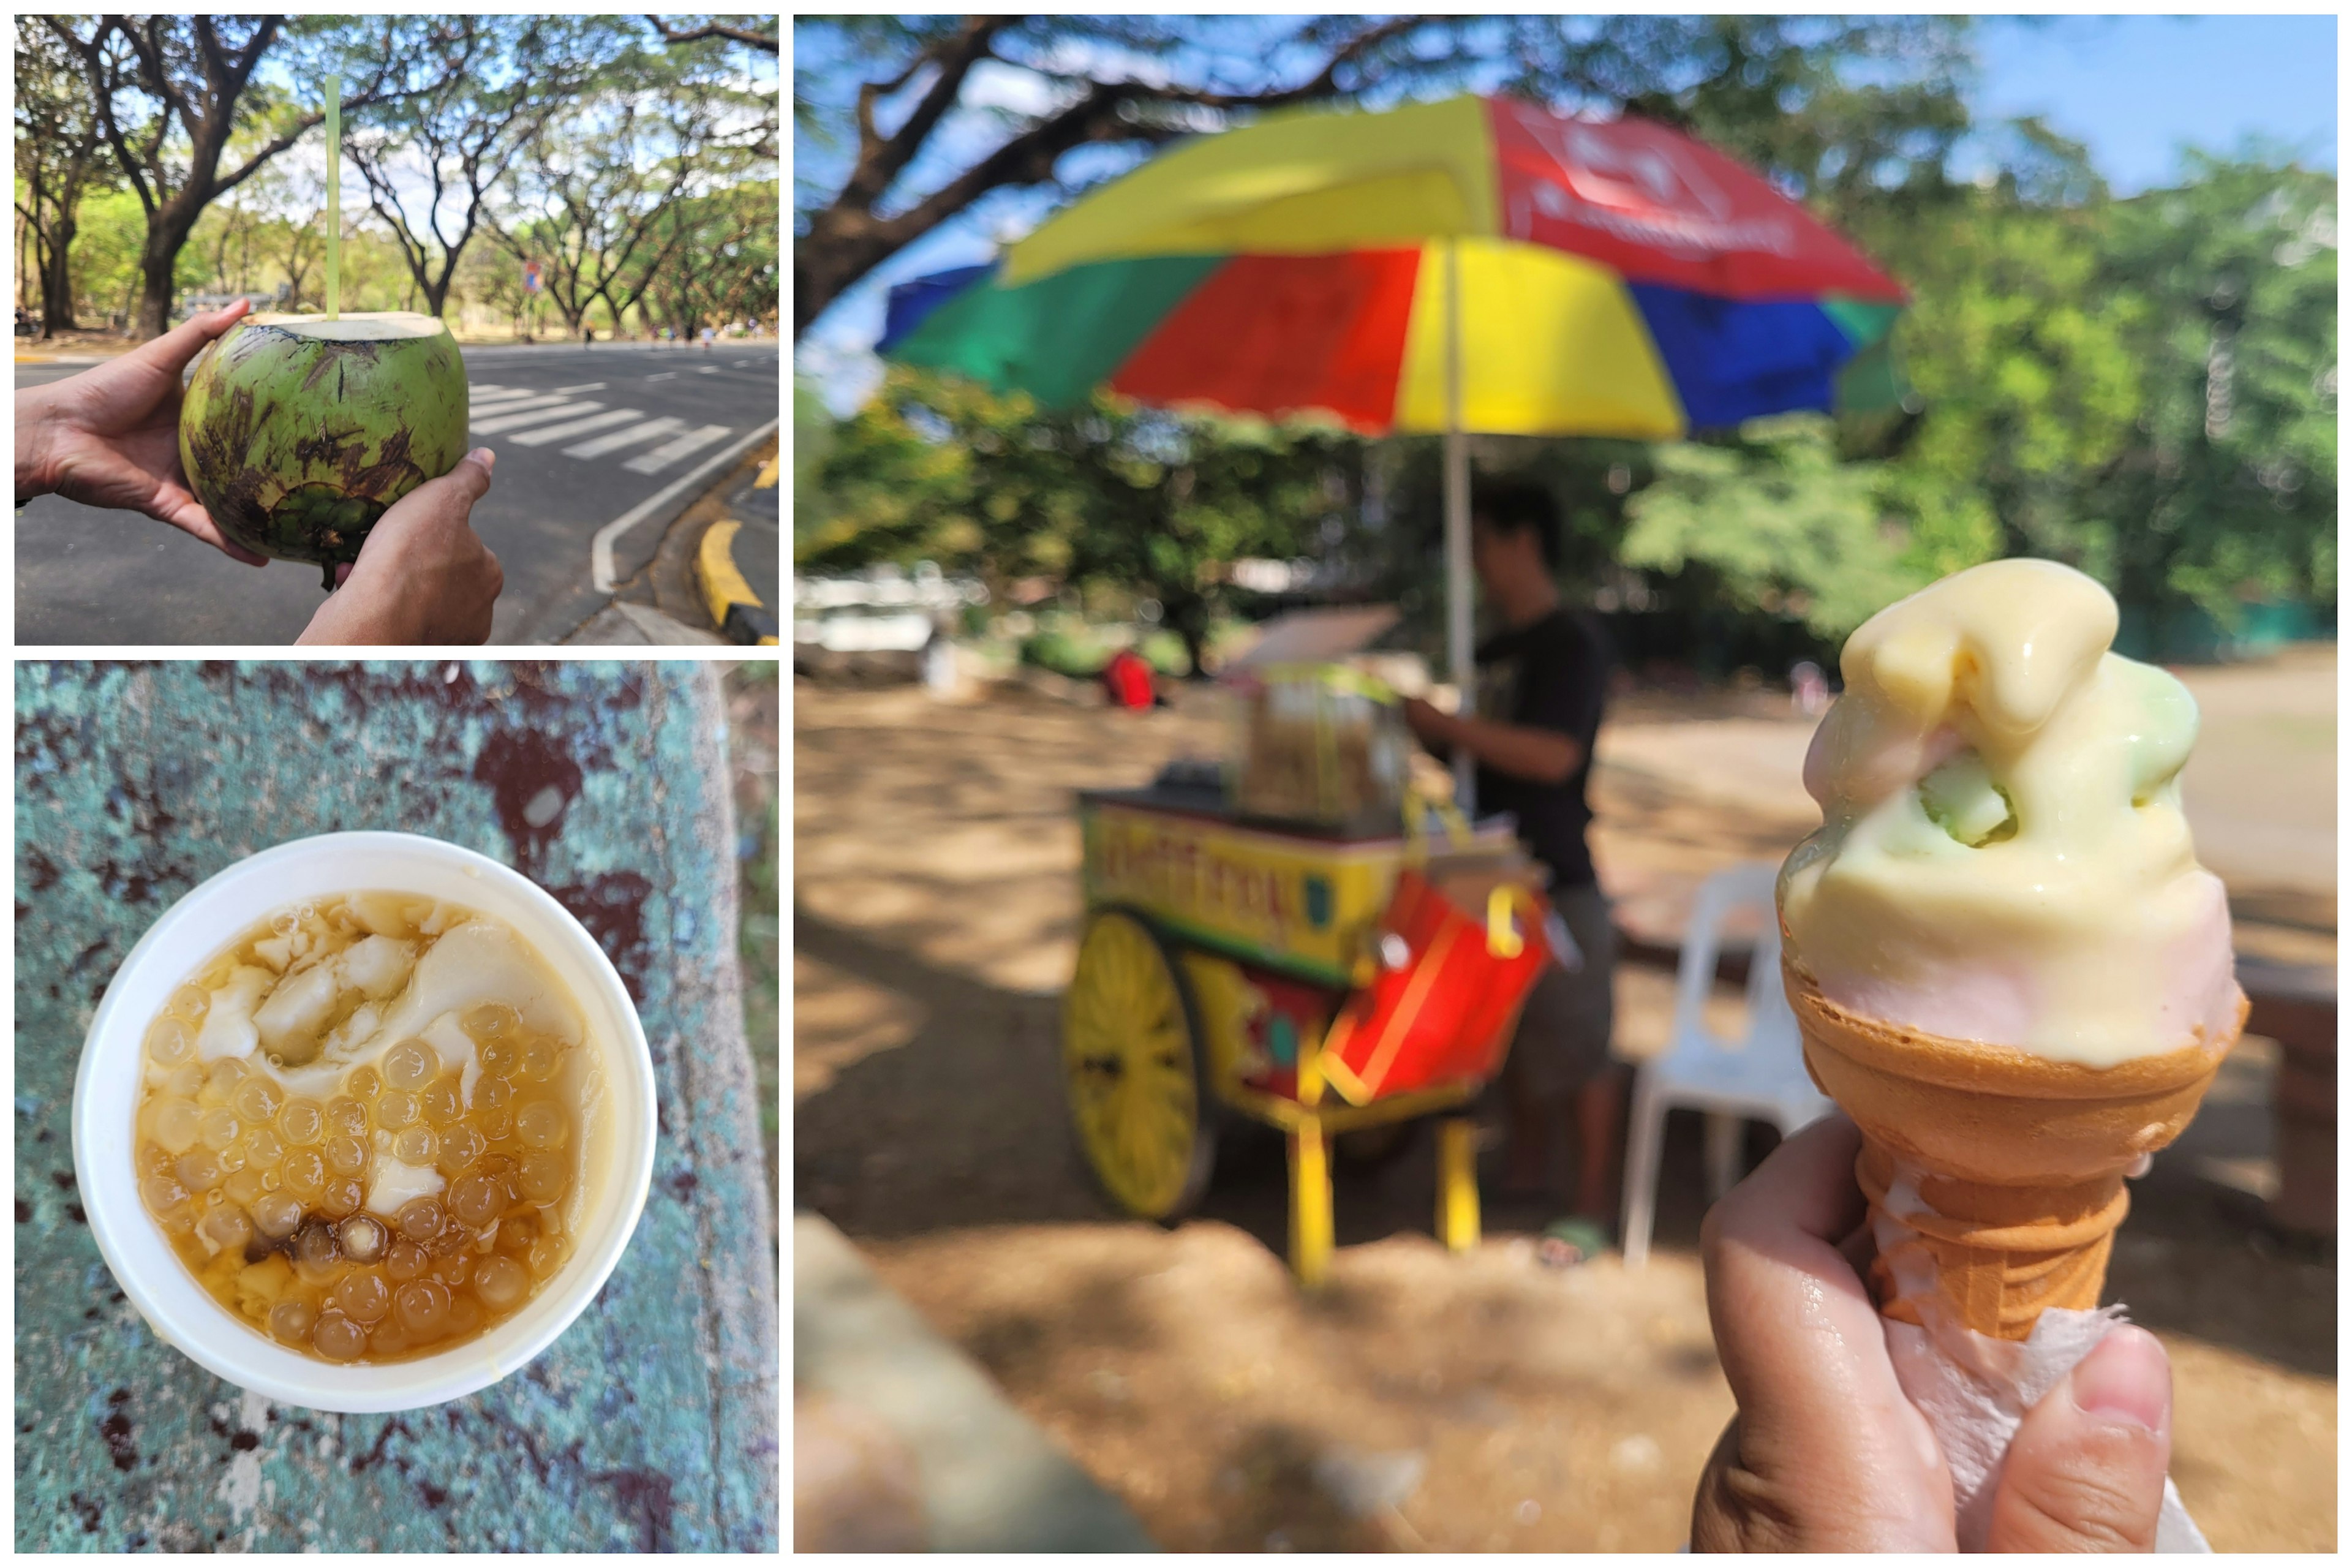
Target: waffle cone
column 2018, row 1161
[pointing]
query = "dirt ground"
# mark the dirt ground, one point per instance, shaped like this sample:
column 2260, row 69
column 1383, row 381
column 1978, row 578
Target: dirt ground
column 1425, row 1402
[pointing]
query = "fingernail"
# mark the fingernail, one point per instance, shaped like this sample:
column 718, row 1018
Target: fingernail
column 2125, row 1379
column 490, row 459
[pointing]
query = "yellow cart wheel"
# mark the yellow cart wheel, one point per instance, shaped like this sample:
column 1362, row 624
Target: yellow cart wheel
column 1132, row 1063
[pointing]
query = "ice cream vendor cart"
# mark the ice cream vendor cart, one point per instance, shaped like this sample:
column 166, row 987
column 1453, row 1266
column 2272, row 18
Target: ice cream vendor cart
column 1232, row 967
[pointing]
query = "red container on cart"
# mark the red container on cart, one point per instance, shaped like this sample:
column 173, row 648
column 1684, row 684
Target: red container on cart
column 1446, row 993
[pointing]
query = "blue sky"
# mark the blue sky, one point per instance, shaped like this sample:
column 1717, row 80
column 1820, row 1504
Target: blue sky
column 2133, row 90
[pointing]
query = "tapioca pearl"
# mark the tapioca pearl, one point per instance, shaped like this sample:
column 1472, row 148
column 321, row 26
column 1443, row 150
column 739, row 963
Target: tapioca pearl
column 346, row 1156
column 305, row 1174
column 423, row 1306
column 465, row 1315
column 540, row 1124
column 191, row 1002
column 347, row 1116
column 232, row 1159
column 162, row 1194
column 416, row 1146
column 218, row 1128
column 490, row 1021
column 341, row 1198
column 264, row 1148
column 410, row 1065
column 275, row 1215
column 186, row 1081
column 243, row 1186
column 494, row 1125
column 198, row 1170
column 442, row 1103
column 154, row 1160
column 546, row 1256
column 363, row 1239
column 543, row 1178
column 518, row 1234
column 460, row 1147
column 177, row 1122
column 500, row 1282
column 502, row 1057
column 396, row 1110
column 228, row 1227
column 290, row 1323
column 404, row 1260
column 363, row 1085
column 315, row 1247
column 539, row 1059
column 303, row 1121
column 419, row 1219
column 338, row 1337
column 363, row 1297
column 223, row 1079
column 492, row 1093
column 256, row 1100
column 169, row 1042
column 477, row 1200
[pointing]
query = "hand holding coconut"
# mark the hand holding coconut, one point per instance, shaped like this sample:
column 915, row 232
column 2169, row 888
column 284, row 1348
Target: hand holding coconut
column 111, row 437
column 424, row 575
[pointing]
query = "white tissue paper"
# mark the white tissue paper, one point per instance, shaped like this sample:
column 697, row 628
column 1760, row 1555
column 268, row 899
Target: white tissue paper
column 1974, row 1390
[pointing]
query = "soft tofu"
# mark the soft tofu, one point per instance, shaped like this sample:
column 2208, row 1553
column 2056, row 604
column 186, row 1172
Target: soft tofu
column 378, row 965
column 396, row 1185
column 229, row 1028
column 290, row 1020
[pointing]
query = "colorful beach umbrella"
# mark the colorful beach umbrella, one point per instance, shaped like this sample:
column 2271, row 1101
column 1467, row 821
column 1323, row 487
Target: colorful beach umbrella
column 1478, row 265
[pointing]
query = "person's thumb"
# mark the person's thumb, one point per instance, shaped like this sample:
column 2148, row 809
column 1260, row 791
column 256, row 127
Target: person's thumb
column 2086, row 1472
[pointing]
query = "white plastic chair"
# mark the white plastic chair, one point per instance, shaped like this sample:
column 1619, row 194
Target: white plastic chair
column 1762, row 1077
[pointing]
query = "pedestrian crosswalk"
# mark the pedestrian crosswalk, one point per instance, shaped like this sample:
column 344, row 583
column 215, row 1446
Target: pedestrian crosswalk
column 528, row 418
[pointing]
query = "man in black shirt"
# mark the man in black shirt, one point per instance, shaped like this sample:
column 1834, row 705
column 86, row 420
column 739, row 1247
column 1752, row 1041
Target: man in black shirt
column 1542, row 680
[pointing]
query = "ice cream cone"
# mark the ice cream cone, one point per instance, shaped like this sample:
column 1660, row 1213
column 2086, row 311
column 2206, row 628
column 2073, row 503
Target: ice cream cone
column 2004, row 1170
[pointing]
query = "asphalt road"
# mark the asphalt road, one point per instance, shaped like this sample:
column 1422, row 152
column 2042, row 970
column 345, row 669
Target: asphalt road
column 584, row 436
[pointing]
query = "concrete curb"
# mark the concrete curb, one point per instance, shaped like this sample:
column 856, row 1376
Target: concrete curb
column 991, row 1482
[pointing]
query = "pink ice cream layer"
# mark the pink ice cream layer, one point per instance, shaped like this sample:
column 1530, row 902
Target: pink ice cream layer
column 2003, row 1002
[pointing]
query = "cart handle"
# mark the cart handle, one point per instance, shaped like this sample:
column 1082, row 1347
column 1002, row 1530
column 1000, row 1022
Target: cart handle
column 1416, row 831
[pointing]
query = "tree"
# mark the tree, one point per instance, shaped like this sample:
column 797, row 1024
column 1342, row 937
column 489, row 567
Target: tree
column 186, row 79
column 725, row 261
column 1148, row 504
column 1773, row 89
column 743, row 30
column 602, row 176
column 59, row 152
column 476, row 108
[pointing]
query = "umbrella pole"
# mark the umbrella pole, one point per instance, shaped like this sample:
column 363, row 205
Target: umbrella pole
column 1459, row 654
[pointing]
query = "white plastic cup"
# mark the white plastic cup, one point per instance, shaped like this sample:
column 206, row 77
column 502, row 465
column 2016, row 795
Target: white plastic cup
column 106, row 1093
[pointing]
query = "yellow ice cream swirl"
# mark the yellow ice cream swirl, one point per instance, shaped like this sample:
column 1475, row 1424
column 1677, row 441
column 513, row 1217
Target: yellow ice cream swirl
column 2003, row 856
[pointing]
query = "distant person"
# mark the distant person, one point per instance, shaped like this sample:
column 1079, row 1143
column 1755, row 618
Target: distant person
column 109, row 437
column 1542, row 680
column 1808, row 688
column 709, row 335
column 1127, row 680
column 587, row 335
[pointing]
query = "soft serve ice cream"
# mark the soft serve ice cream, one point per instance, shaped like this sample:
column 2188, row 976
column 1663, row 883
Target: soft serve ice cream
column 2003, row 857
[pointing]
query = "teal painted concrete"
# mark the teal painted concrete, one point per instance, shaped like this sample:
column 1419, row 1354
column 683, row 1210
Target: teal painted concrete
column 651, row 1423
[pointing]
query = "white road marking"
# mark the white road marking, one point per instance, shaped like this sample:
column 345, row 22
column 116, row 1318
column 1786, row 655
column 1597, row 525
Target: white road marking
column 665, row 375
column 707, row 369
column 620, row 438
column 479, row 399
column 743, row 364
column 575, row 428
column 661, row 458
column 600, row 549
column 517, row 405
column 536, row 417
column 583, row 387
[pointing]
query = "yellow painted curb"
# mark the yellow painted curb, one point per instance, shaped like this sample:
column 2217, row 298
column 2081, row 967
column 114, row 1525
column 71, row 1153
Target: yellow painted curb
column 768, row 472
column 735, row 609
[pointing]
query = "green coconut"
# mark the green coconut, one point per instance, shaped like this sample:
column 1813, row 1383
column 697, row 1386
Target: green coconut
column 297, row 432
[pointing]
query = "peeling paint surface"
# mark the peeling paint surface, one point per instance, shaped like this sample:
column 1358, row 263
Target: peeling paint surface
column 650, row 1425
